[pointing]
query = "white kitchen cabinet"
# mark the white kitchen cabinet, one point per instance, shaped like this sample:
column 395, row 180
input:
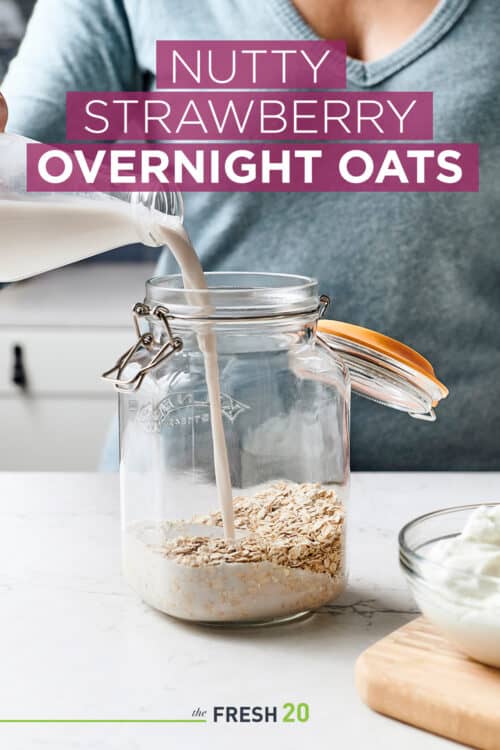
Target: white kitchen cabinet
column 46, row 433
column 64, row 328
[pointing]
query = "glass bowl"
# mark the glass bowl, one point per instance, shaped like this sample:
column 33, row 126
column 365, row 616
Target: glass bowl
column 463, row 606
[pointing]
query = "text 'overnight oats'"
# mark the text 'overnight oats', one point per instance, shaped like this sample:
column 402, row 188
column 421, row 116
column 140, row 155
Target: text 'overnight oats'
column 287, row 557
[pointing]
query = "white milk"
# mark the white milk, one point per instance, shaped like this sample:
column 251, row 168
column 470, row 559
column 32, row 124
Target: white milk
column 177, row 239
column 40, row 235
column 37, row 236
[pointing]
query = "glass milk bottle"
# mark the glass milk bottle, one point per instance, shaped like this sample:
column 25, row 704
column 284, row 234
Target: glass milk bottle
column 43, row 231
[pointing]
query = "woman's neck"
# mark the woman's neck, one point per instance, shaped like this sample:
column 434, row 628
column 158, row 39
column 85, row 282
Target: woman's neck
column 372, row 29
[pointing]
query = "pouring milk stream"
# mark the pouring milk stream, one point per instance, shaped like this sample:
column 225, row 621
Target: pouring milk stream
column 43, row 231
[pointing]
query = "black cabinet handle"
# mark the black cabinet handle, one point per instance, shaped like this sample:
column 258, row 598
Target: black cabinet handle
column 19, row 373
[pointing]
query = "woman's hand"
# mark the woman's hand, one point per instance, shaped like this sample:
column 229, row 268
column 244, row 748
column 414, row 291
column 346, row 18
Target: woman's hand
column 3, row 113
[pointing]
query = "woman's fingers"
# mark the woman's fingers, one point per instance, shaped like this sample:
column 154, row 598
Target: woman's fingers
column 3, row 113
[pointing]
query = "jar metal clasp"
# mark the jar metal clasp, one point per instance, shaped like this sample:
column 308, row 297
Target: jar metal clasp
column 145, row 340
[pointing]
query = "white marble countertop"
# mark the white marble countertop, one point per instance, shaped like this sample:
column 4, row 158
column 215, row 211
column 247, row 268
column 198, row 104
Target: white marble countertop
column 76, row 643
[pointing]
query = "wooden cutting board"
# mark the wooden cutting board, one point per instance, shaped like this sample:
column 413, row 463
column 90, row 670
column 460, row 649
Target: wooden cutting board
column 416, row 676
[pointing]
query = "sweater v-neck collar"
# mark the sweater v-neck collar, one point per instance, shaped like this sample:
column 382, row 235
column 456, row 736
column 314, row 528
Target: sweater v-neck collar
column 367, row 74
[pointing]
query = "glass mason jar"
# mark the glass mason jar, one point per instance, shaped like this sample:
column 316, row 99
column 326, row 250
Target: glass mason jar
column 285, row 399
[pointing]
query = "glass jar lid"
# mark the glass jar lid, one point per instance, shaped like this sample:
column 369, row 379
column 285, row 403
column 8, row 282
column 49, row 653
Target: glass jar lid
column 385, row 370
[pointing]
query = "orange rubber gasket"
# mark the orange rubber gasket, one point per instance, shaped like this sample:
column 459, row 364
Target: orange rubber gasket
column 383, row 345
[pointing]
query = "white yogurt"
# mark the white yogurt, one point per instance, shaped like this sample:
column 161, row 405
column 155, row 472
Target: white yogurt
column 461, row 593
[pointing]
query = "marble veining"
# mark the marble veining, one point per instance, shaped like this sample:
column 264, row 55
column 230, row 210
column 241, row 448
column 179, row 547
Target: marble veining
column 76, row 643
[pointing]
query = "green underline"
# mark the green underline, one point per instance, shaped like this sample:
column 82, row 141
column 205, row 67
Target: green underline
column 103, row 721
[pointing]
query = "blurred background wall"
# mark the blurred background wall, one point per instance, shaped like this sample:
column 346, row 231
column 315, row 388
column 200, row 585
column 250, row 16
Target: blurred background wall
column 13, row 18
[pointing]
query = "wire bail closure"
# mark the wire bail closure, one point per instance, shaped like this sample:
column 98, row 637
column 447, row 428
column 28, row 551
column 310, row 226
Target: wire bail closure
column 145, row 340
column 324, row 304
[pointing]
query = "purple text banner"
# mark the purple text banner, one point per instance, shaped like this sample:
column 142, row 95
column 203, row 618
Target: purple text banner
column 250, row 64
column 235, row 116
column 255, row 167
